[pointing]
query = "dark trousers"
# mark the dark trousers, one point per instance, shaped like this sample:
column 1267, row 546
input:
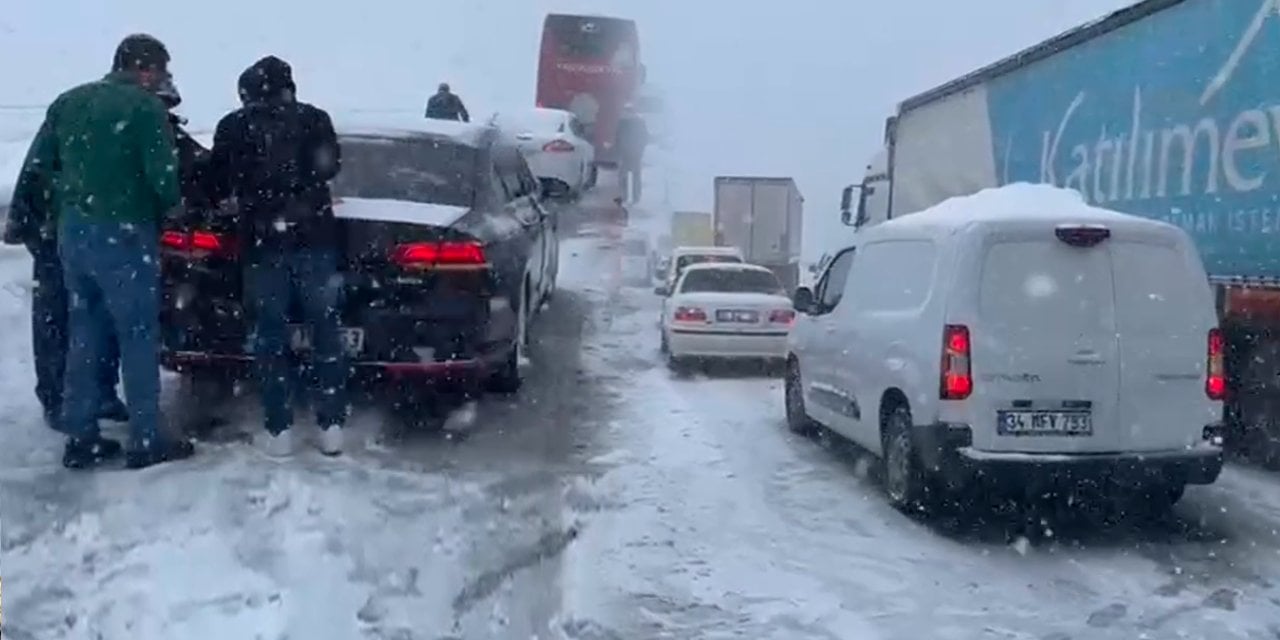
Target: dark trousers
column 112, row 274
column 275, row 278
column 49, row 334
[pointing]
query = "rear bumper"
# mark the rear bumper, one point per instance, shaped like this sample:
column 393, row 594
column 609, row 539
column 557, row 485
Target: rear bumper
column 709, row 344
column 945, row 449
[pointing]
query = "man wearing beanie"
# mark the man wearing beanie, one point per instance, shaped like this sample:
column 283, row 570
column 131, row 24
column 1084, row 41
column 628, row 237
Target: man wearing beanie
column 110, row 151
column 276, row 155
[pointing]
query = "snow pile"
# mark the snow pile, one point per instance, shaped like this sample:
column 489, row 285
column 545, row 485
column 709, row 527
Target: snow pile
column 1019, row 200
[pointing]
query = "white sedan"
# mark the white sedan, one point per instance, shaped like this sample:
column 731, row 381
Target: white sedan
column 726, row 310
column 555, row 145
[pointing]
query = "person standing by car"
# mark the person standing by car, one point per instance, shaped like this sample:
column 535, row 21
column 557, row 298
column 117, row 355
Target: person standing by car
column 33, row 223
column 276, row 155
column 446, row 105
column 110, row 151
column 632, row 138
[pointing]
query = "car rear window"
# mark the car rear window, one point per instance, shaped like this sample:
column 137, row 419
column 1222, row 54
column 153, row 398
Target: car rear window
column 589, row 38
column 417, row 170
column 1156, row 288
column 1047, row 288
column 686, row 260
column 731, row 281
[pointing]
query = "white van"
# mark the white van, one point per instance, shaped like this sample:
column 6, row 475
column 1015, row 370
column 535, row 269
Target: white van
column 1017, row 333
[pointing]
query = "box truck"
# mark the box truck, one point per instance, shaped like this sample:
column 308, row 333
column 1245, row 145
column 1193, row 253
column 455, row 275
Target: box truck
column 763, row 217
column 1168, row 109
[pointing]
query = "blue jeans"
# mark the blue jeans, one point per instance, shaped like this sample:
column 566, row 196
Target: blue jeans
column 274, row 279
column 112, row 274
column 49, row 334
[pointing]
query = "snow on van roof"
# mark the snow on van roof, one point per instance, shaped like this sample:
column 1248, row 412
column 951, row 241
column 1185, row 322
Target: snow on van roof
column 713, row 266
column 1014, row 202
column 707, row 250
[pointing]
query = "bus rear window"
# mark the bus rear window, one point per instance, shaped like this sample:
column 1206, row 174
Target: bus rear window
column 587, row 38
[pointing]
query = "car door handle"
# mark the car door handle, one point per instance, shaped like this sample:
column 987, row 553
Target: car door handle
column 1086, row 357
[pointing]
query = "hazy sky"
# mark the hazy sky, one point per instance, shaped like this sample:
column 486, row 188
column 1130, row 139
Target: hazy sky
column 795, row 88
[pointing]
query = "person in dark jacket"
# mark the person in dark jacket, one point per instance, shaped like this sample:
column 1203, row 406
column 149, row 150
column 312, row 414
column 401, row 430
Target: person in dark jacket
column 632, row 138
column 276, row 155
column 110, row 149
column 446, row 105
column 32, row 223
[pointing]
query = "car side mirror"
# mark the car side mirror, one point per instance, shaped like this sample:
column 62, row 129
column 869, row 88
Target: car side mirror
column 660, row 290
column 803, row 301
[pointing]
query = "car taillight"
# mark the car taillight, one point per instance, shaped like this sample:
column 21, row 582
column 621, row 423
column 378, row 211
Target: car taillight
column 957, row 372
column 198, row 243
column 690, row 314
column 782, row 316
column 557, row 146
column 440, row 255
column 1215, row 382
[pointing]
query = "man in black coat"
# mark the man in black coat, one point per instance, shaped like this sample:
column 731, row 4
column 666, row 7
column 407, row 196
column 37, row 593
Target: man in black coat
column 446, row 105
column 276, row 155
column 632, row 138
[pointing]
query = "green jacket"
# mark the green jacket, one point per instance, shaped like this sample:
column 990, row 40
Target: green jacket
column 110, row 150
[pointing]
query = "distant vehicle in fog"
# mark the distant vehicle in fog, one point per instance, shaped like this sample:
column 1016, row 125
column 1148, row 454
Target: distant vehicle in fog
column 590, row 65
column 556, row 146
column 764, row 218
column 637, row 260
column 684, row 257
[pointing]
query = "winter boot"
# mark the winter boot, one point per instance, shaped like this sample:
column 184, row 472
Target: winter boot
column 85, row 453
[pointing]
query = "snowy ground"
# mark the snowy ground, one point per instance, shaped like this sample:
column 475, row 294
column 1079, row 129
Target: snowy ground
column 613, row 500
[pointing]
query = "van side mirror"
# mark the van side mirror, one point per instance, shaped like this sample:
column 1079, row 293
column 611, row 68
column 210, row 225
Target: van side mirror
column 802, row 300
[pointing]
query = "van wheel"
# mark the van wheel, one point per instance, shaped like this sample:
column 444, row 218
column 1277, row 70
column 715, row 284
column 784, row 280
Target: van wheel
column 798, row 420
column 509, row 378
column 905, row 480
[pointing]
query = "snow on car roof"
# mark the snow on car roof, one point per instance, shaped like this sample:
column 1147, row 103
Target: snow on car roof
column 398, row 126
column 1013, row 203
column 708, row 250
column 539, row 119
column 725, row 266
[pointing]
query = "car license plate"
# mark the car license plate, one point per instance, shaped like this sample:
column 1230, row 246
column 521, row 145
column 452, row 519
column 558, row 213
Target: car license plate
column 352, row 339
column 736, row 315
column 1045, row 423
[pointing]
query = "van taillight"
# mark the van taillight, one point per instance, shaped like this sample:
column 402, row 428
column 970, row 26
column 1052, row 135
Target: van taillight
column 1215, row 382
column 1082, row 235
column 557, row 146
column 957, row 373
column 198, row 243
column 440, row 255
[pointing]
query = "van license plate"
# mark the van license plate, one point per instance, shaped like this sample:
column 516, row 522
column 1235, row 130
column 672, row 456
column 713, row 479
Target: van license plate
column 352, row 339
column 1044, row 423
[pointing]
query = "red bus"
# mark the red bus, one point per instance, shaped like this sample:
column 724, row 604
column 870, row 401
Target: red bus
column 591, row 66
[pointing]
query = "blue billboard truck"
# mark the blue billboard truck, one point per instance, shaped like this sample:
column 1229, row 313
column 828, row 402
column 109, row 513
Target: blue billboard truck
column 1167, row 109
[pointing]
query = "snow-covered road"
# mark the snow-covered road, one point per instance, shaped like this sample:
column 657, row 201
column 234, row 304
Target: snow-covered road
column 613, row 500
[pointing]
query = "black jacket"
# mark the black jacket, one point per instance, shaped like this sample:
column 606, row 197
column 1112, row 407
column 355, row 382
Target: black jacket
column 276, row 156
column 447, row 106
column 29, row 222
column 632, row 137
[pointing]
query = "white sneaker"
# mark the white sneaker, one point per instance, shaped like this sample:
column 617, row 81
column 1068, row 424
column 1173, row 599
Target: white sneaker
column 331, row 441
column 280, row 445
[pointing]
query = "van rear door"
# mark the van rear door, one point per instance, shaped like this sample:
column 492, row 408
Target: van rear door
column 1164, row 312
column 1045, row 358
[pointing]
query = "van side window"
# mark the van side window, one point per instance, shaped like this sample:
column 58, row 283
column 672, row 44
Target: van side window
column 831, row 288
column 910, row 261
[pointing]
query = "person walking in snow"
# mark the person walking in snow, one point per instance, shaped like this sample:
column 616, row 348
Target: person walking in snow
column 110, row 152
column 276, row 155
column 32, row 223
column 632, row 138
column 446, row 105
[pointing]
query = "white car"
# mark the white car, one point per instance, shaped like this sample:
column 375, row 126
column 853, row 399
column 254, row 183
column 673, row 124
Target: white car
column 684, row 257
column 726, row 310
column 555, row 146
column 1017, row 338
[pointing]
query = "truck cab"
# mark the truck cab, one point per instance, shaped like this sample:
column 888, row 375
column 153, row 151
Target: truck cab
column 871, row 205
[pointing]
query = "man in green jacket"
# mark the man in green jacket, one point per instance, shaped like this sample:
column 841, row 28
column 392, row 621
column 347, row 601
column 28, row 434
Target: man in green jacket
column 111, row 152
